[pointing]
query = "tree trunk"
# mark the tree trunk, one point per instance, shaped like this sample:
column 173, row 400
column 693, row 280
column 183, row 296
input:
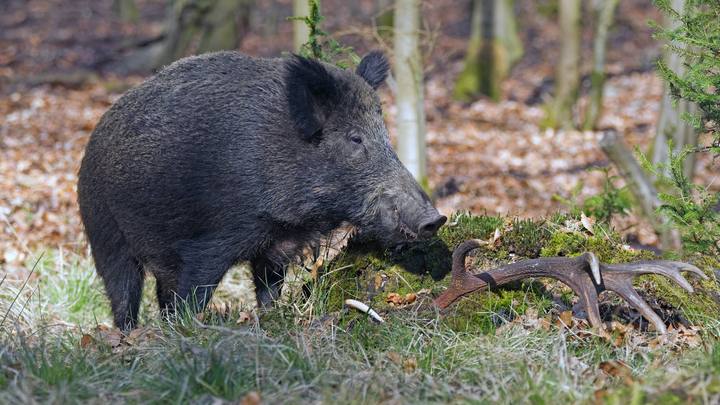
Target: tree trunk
column 410, row 102
column 301, row 8
column 670, row 125
column 567, row 77
column 192, row 26
column 506, row 31
column 641, row 187
column 597, row 77
column 493, row 47
column 220, row 28
column 216, row 24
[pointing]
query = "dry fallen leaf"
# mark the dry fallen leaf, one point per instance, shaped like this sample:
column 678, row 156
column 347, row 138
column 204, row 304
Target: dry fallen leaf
column 588, row 222
column 617, row 368
column 85, row 340
column 496, row 236
column 251, row 398
column 409, row 365
column 394, row 299
column 380, row 281
column 243, row 317
column 141, row 334
column 111, row 337
column 394, row 357
column 566, row 318
column 599, row 396
column 398, row 300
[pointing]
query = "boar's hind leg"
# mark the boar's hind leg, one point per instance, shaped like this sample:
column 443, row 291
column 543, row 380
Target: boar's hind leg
column 121, row 273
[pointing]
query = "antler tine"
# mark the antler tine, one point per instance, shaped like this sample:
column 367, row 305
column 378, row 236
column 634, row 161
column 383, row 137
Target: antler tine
column 629, row 271
column 619, row 278
column 629, row 294
column 461, row 252
column 462, row 281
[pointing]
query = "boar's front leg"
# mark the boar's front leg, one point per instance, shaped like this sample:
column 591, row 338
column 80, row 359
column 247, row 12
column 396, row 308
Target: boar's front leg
column 268, row 275
column 269, row 270
column 204, row 263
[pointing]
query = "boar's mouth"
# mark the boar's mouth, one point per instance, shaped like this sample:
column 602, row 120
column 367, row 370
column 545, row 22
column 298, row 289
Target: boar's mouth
column 406, row 234
column 394, row 221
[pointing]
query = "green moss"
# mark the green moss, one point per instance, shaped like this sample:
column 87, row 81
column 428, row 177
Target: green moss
column 549, row 9
column 484, row 312
column 564, row 244
column 560, row 218
column 608, row 249
column 348, row 279
column 370, row 278
column 526, row 238
column 464, row 226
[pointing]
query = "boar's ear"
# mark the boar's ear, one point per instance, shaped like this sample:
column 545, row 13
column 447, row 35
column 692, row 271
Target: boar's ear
column 310, row 89
column 374, row 69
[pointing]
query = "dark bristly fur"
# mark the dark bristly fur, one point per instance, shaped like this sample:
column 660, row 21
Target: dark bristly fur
column 222, row 158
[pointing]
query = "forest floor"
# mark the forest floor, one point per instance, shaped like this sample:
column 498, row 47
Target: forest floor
column 58, row 76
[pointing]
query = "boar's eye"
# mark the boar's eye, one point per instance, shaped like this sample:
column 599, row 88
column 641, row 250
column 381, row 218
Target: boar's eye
column 356, row 139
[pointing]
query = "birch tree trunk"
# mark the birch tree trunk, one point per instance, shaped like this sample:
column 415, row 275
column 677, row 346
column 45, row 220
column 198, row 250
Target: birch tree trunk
column 597, row 77
column 567, row 77
column 301, row 8
column 410, row 99
column 670, row 125
column 493, row 48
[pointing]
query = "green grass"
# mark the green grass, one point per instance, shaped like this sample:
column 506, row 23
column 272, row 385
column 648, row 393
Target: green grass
column 486, row 350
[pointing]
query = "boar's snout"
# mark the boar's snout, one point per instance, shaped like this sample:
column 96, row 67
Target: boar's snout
column 420, row 219
column 417, row 218
column 403, row 218
column 430, row 226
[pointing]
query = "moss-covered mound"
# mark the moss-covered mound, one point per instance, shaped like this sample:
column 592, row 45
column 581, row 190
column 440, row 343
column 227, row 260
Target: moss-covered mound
column 409, row 279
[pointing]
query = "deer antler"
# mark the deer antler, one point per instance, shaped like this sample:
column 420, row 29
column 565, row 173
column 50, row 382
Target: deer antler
column 584, row 274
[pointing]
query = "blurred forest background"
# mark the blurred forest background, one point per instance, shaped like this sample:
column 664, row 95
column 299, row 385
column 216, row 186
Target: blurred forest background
column 518, row 98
